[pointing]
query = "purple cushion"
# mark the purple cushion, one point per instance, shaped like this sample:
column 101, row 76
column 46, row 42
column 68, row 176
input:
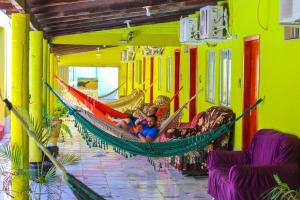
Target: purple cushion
column 271, row 152
column 272, row 147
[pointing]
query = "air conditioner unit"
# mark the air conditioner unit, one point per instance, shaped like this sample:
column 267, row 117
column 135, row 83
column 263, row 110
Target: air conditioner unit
column 212, row 22
column 124, row 56
column 189, row 28
column 130, row 55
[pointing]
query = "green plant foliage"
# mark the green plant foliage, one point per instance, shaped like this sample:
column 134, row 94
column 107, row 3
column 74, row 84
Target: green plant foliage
column 280, row 192
column 42, row 182
column 59, row 110
column 48, row 121
column 69, row 159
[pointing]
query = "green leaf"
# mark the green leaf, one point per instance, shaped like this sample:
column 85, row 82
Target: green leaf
column 65, row 129
column 69, row 159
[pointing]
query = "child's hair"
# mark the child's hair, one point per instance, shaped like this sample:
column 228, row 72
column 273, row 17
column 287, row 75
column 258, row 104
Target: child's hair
column 153, row 116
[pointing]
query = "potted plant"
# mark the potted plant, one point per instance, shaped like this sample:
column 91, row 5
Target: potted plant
column 56, row 127
column 42, row 176
column 281, row 191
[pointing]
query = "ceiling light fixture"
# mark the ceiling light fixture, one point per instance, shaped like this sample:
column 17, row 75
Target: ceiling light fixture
column 148, row 13
column 98, row 54
column 127, row 22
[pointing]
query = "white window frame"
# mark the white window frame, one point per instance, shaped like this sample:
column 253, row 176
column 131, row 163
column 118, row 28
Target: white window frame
column 225, row 77
column 169, row 73
column 160, row 69
column 211, row 76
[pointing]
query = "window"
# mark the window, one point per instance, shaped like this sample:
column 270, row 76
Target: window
column 210, row 76
column 225, row 77
column 159, row 73
column 169, row 73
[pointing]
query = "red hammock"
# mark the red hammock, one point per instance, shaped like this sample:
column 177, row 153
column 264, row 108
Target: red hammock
column 93, row 104
column 106, row 110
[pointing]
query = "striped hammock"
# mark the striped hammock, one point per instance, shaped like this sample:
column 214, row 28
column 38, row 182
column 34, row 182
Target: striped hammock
column 154, row 149
column 96, row 106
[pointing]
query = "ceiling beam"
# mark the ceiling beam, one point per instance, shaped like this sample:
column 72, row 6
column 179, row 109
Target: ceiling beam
column 121, row 18
column 122, row 14
column 92, row 5
column 109, row 25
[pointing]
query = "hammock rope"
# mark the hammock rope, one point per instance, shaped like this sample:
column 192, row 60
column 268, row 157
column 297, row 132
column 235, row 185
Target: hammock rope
column 110, row 93
column 154, row 149
column 79, row 189
column 92, row 103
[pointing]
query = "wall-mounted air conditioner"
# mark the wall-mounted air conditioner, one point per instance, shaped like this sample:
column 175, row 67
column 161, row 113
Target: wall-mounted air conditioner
column 290, row 12
column 124, row 56
column 130, row 55
column 189, row 29
column 212, row 22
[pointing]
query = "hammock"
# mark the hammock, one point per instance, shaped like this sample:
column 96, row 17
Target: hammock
column 161, row 111
column 154, row 149
column 79, row 189
column 92, row 103
column 110, row 93
column 129, row 99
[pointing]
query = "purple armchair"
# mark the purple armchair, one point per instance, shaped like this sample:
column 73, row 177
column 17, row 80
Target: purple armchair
column 237, row 175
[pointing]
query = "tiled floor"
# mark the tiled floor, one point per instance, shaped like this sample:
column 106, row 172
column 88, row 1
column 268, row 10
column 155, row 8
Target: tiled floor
column 115, row 177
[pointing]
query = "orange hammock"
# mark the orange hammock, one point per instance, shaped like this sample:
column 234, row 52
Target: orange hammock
column 93, row 104
column 161, row 111
column 106, row 110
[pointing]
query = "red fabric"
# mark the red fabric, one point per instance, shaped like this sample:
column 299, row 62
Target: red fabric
column 1, row 131
column 93, row 105
column 161, row 111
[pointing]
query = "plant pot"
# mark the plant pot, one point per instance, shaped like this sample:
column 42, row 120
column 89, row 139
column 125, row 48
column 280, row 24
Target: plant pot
column 55, row 132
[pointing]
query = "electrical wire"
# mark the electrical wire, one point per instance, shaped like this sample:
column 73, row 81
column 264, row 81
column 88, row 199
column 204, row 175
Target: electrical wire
column 258, row 19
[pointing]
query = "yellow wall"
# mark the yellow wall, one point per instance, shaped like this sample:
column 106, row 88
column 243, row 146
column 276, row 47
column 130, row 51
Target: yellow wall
column 108, row 57
column 165, row 34
column 2, row 65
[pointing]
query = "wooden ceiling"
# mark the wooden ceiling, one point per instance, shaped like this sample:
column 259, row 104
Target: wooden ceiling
column 65, row 17
column 62, row 17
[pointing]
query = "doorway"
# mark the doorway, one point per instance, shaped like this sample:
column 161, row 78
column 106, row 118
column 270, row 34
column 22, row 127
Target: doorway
column 151, row 78
column 193, row 75
column 251, row 79
column 177, row 79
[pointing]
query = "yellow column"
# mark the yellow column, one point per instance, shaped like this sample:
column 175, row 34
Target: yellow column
column 45, row 57
column 2, row 71
column 55, row 73
column 51, row 72
column 35, row 87
column 48, row 79
column 20, row 97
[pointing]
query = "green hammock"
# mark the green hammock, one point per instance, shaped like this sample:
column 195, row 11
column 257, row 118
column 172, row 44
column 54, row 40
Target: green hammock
column 153, row 149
